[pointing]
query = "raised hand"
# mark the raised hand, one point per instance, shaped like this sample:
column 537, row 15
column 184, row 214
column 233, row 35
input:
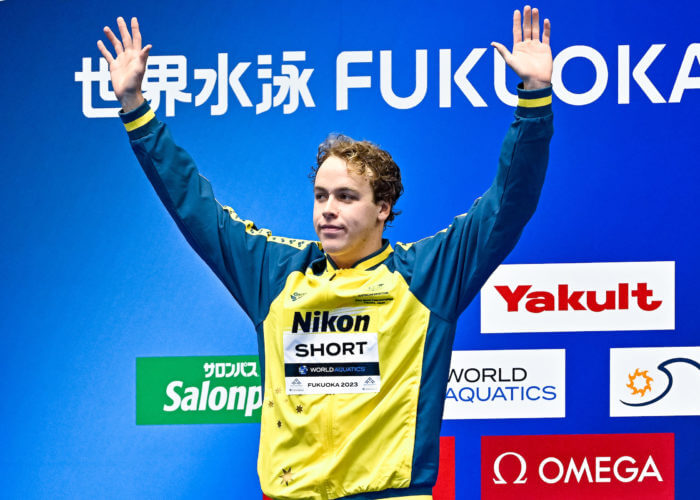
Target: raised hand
column 128, row 68
column 530, row 59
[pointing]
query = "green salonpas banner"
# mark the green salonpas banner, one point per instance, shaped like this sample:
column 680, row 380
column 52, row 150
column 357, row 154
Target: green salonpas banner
column 198, row 390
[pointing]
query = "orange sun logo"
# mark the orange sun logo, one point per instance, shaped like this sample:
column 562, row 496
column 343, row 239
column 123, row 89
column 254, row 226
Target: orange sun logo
column 640, row 382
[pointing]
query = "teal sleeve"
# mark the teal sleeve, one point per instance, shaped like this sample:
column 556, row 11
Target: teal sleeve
column 447, row 270
column 250, row 262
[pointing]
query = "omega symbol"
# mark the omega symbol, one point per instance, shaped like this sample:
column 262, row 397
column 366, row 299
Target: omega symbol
column 521, row 479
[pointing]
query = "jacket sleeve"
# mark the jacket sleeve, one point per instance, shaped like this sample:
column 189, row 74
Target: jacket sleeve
column 249, row 261
column 447, row 270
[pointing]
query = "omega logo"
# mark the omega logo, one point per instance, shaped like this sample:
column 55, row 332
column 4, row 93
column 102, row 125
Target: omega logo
column 597, row 471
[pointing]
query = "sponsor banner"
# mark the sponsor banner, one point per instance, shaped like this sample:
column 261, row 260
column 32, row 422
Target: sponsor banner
column 506, row 384
column 332, row 363
column 620, row 466
column 655, row 381
column 600, row 296
column 198, row 390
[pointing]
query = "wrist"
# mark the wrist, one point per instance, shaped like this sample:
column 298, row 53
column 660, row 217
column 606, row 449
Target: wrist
column 131, row 101
column 531, row 84
column 534, row 103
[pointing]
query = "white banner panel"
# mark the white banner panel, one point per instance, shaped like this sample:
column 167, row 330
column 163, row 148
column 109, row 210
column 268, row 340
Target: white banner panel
column 599, row 296
column 506, row 384
column 654, row 381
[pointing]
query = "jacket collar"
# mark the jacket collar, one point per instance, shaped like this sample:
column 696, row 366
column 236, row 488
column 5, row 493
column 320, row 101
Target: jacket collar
column 366, row 263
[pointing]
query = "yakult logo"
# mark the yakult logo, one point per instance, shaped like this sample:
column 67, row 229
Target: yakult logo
column 578, row 300
column 578, row 466
column 579, row 297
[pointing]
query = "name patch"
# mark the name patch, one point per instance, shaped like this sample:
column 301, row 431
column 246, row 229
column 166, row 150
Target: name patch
column 331, row 363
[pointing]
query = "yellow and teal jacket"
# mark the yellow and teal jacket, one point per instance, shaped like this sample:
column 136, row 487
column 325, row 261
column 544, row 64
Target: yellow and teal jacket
column 355, row 361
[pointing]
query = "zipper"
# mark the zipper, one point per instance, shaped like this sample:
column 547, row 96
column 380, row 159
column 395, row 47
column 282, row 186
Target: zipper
column 328, row 431
column 329, row 440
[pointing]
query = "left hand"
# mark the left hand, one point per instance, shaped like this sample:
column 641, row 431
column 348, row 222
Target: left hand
column 128, row 68
column 530, row 59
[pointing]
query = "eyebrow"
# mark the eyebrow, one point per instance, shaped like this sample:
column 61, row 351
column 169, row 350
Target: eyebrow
column 340, row 189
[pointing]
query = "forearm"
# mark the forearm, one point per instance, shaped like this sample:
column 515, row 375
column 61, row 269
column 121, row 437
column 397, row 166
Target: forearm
column 237, row 252
column 186, row 195
column 523, row 158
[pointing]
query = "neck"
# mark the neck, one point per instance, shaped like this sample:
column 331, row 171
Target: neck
column 347, row 261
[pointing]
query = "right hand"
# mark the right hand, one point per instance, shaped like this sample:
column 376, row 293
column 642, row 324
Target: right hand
column 128, row 68
column 531, row 59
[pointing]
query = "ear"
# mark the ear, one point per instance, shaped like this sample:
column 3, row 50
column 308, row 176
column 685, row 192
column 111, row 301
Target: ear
column 384, row 209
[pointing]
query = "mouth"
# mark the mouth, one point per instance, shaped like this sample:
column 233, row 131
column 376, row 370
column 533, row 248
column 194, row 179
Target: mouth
column 330, row 229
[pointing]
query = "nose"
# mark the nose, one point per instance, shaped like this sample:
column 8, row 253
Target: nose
column 330, row 208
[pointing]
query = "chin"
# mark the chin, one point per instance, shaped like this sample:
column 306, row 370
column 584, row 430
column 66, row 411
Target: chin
column 332, row 245
column 331, row 249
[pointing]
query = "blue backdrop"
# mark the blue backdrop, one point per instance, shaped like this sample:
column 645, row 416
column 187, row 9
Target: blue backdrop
column 94, row 274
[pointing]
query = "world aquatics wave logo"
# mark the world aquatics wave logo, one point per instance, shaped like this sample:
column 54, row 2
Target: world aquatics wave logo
column 640, row 381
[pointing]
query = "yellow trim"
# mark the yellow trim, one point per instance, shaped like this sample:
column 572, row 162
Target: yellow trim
column 406, row 246
column 365, row 264
column 380, row 257
column 534, row 103
column 250, row 229
column 140, row 121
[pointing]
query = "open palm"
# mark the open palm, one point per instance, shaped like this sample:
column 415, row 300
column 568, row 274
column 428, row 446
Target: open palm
column 531, row 58
column 128, row 68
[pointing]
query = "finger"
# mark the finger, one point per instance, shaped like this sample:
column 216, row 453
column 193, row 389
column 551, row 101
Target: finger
column 136, row 33
column 535, row 24
column 126, row 37
column 505, row 53
column 144, row 52
column 517, row 28
column 527, row 23
column 547, row 29
column 105, row 53
column 115, row 41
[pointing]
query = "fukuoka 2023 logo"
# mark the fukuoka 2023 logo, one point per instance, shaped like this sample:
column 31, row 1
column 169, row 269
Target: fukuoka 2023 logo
column 640, row 382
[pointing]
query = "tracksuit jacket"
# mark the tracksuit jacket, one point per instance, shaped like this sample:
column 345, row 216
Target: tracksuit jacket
column 355, row 361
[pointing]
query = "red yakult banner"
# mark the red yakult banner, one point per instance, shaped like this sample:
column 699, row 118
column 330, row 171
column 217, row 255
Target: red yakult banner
column 615, row 466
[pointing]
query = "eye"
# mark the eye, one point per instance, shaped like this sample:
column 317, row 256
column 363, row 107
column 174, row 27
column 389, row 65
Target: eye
column 320, row 196
column 346, row 197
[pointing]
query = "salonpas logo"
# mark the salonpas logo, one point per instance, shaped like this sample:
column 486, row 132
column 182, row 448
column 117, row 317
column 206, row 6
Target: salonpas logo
column 198, row 390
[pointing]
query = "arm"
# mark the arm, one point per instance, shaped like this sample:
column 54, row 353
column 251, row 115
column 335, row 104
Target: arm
column 448, row 269
column 249, row 261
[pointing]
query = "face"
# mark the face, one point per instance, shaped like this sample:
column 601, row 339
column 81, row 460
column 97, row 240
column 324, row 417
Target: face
column 347, row 220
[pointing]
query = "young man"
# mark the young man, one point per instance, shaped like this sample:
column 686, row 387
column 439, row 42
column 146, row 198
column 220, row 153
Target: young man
column 354, row 336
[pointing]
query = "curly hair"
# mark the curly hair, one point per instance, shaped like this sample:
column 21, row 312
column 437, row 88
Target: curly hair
column 369, row 160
